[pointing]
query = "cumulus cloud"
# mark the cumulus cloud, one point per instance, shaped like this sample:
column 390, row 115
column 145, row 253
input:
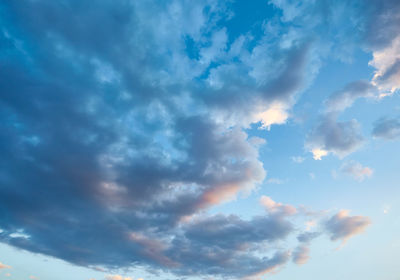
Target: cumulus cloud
column 386, row 61
column 356, row 170
column 134, row 126
column 332, row 136
column 342, row 226
column 130, row 135
column 387, row 128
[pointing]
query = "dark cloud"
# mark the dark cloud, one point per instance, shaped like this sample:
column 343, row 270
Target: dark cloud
column 113, row 136
column 228, row 245
column 116, row 138
column 387, row 128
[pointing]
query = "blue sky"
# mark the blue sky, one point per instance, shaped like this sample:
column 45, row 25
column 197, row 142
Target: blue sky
column 199, row 140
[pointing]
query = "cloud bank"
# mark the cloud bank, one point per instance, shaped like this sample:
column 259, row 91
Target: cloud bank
column 123, row 122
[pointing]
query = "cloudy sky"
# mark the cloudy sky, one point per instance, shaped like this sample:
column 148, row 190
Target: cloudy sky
column 144, row 140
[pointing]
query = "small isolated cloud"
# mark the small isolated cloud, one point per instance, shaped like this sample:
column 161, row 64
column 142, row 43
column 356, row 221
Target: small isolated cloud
column 298, row 159
column 277, row 207
column 386, row 209
column 387, row 128
column 332, row 136
column 301, row 254
column 356, row 170
column 342, row 226
column 4, row 266
column 276, row 181
column 117, row 277
column 7, row 274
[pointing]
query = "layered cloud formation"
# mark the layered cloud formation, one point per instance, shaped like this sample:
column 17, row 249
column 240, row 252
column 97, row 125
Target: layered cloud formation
column 123, row 122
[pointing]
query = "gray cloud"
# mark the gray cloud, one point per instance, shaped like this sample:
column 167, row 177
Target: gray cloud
column 342, row 226
column 344, row 98
column 387, row 128
column 113, row 135
column 116, row 130
column 301, row 255
column 306, row 237
column 330, row 135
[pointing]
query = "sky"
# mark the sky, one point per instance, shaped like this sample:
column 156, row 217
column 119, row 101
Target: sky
column 144, row 140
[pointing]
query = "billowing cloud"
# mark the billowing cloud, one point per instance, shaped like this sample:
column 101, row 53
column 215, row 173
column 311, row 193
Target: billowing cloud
column 342, row 226
column 120, row 129
column 387, row 128
column 387, row 64
column 332, row 136
column 356, row 170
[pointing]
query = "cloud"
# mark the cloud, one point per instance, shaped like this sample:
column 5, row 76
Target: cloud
column 387, row 128
column 229, row 245
column 275, row 114
column 307, row 236
column 117, row 277
column 275, row 181
column 4, row 266
column 356, row 170
column 301, row 255
column 298, row 159
column 342, row 226
column 277, row 207
column 345, row 97
column 136, row 129
column 332, row 136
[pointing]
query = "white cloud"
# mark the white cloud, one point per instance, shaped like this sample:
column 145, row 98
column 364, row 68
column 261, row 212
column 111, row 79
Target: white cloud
column 298, row 159
column 275, row 114
column 318, row 153
column 387, row 64
column 277, row 207
column 356, row 170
